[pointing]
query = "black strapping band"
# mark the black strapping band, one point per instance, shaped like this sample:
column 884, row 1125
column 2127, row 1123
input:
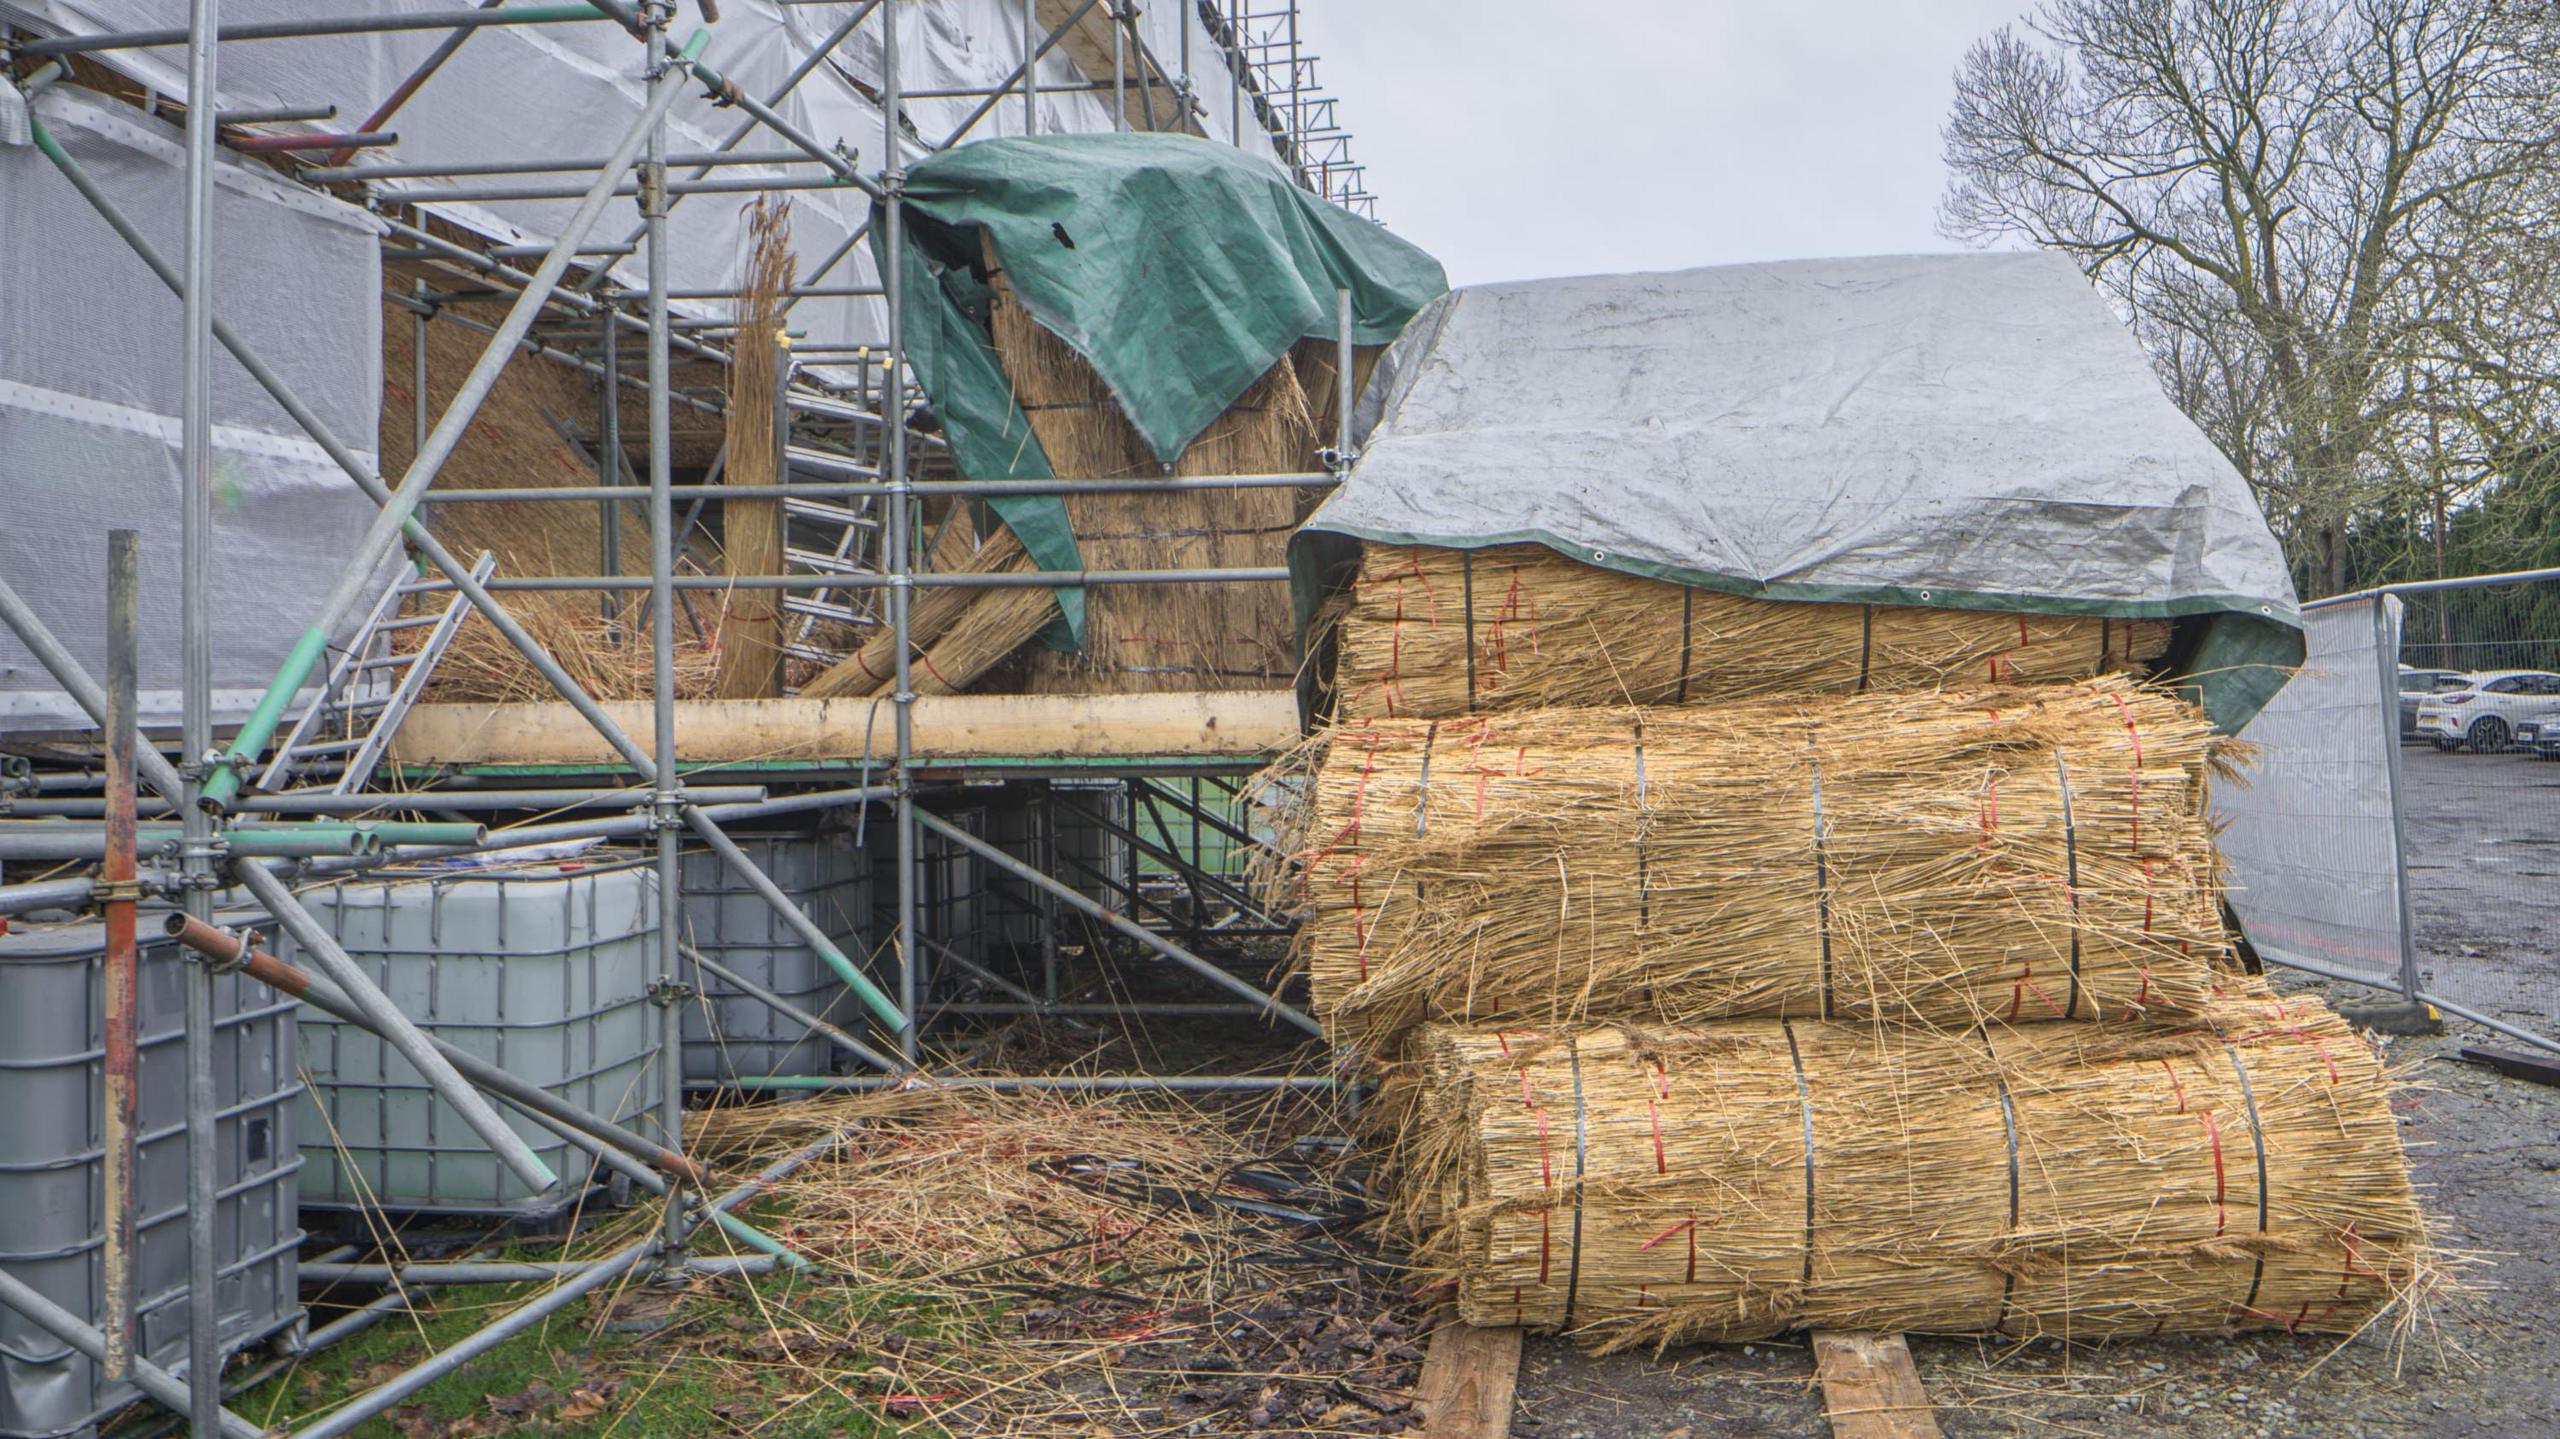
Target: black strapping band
column 1866, row 642
column 2009, row 1122
column 1581, row 1156
column 1467, row 614
column 1644, row 818
column 1821, row 876
column 1688, row 604
column 2071, row 877
column 1422, row 785
column 1804, row 1101
column 2257, row 1141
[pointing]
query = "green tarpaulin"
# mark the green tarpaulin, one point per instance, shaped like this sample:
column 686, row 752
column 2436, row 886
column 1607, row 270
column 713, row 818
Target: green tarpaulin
column 1180, row 269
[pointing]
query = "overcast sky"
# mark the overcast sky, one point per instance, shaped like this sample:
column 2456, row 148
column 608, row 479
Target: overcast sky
column 1517, row 138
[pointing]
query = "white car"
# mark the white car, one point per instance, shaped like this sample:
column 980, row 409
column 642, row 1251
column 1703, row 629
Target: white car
column 2483, row 715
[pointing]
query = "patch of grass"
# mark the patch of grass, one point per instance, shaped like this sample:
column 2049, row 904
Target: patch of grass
column 724, row 1355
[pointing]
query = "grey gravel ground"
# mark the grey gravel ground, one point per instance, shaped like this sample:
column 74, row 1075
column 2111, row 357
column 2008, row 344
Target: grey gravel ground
column 2487, row 1150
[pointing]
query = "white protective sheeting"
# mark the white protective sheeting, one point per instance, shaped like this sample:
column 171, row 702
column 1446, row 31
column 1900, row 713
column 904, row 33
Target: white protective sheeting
column 89, row 399
column 571, row 91
column 2312, row 851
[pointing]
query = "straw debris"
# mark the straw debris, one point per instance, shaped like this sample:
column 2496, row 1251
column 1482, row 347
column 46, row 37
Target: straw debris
column 2023, row 854
column 1063, row 1265
column 1436, row 632
column 1655, row 1185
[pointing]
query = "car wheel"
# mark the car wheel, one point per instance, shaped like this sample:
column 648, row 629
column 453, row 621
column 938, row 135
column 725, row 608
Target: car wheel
column 2488, row 735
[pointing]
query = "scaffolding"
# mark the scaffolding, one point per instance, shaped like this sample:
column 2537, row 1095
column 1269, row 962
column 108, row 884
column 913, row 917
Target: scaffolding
column 850, row 406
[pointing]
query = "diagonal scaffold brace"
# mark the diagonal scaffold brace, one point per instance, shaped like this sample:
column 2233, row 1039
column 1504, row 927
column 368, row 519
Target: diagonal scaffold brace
column 459, row 574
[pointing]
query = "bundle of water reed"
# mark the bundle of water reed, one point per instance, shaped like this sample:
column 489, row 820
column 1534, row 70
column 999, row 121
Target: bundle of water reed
column 2017, row 854
column 1434, row 632
column 752, row 530
column 1139, row 638
column 1743, row 1179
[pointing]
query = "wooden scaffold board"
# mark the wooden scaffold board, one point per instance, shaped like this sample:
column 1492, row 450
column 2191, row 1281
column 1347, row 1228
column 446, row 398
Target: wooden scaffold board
column 1469, row 1378
column 1870, row 1388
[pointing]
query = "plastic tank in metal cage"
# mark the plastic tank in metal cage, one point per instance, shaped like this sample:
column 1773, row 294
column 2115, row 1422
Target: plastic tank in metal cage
column 728, row 1034
column 52, row 1166
column 542, row 969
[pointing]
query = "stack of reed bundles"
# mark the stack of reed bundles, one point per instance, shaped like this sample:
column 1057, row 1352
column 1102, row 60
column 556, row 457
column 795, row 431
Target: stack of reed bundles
column 2015, row 855
column 1436, row 632
column 1139, row 638
column 1638, row 1185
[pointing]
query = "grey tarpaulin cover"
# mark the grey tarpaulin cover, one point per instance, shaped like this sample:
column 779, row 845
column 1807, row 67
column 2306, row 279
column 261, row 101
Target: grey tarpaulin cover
column 1966, row 431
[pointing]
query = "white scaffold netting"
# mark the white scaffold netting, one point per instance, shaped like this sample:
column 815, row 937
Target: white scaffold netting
column 90, row 365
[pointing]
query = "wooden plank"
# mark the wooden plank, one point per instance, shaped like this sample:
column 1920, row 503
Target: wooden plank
column 1870, row 1388
column 1241, row 723
column 1088, row 47
column 2516, row 1063
column 1469, row 1378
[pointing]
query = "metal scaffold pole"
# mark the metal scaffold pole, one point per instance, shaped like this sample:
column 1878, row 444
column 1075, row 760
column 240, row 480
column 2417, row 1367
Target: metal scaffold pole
column 667, row 801
column 121, row 981
column 897, row 546
column 195, row 726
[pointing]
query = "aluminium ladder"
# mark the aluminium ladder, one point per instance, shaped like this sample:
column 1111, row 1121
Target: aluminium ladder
column 361, row 702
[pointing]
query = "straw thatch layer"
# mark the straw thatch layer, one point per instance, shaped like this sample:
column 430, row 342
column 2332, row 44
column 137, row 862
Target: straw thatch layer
column 1743, row 1179
column 1140, row 638
column 1434, row 632
column 2019, row 854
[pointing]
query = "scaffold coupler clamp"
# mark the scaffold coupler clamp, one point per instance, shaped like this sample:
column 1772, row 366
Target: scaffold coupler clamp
column 665, row 991
column 213, row 849
column 239, row 959
column 119, row 891
column 665, row 810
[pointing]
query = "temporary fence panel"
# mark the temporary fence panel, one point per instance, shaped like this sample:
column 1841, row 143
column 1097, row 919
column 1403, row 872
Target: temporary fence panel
column 2309, row 841
column 52, row 1160
column 89, row 388
column 2482, row 817
column 542, row 971
column 2400, row 820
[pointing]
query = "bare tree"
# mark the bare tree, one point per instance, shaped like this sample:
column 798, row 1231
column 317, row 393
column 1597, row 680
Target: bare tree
column 2329, row 220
